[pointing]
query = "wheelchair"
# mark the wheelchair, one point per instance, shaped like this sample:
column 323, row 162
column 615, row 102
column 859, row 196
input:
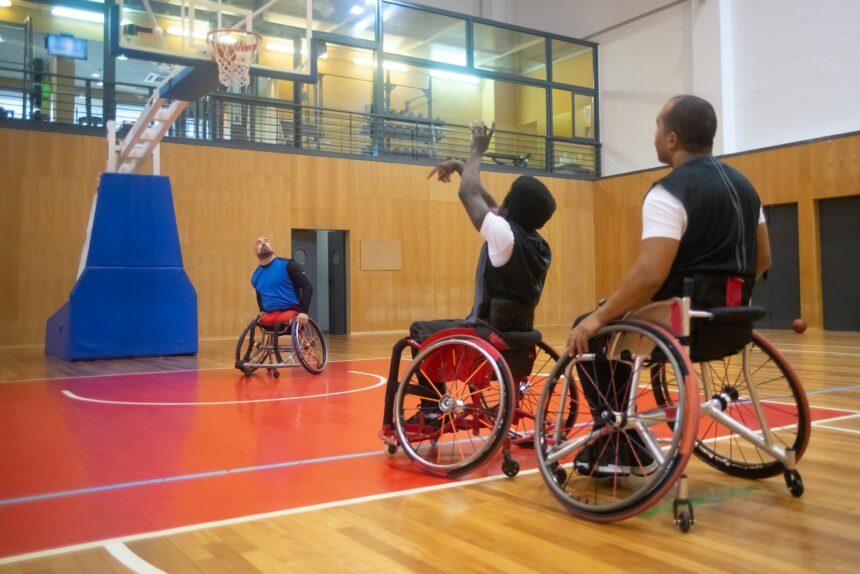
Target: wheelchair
column 677, row 382
column 259, row 345
column 466, row 393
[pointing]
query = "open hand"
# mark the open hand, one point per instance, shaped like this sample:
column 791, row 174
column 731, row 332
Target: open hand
column 481, row 136
column 444, row 170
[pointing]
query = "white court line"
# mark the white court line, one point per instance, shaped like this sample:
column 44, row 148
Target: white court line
column 129, row 559
column 49, row 379
column 380, row 381
column 254, row 517
column 852, row 431
column 813, row 352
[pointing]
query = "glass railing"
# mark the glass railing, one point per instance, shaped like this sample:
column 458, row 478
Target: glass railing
column 244, row 121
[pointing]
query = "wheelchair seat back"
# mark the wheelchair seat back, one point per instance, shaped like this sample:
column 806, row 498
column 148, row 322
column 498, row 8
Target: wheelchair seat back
column 730, row 329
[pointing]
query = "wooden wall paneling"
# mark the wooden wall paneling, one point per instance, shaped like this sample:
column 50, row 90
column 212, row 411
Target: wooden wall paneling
column 225, row 198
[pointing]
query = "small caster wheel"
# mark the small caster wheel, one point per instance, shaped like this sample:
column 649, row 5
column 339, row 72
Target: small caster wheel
column 276, row 374
column 794, row 483
column 685, row 521
column 247, row 372
column 560, row 475
column 511, row 468
column 391, row 449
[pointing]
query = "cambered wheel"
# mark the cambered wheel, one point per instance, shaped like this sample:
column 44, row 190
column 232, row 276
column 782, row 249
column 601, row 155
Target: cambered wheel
column 528, row 391
column 310, row 346
column 625, row 451
column 453, row 406
column 779, row 404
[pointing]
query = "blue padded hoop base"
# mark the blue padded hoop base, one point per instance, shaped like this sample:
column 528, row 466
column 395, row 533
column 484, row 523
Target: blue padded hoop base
column 133, row 298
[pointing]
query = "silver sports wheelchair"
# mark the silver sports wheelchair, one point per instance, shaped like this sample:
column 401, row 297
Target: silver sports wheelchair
column 260, row 345
column 617, row 426
column 467, row 392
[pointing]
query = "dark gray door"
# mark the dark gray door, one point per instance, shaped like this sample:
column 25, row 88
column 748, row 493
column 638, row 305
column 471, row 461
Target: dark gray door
column 779, row 292
column 305, row 252
column 839, row 221
column 337, row 278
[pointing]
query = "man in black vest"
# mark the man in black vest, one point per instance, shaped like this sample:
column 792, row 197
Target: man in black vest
column 703, row 220
column 514, row 259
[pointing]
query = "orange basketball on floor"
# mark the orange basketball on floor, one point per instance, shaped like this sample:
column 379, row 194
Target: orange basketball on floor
column 799, row 325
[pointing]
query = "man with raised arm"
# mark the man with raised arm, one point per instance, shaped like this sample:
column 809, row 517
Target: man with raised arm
column 514, row 259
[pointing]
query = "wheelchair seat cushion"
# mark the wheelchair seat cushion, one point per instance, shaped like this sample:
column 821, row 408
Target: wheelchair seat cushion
column 277, row 320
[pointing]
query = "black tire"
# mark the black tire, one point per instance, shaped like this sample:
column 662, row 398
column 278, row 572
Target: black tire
column 310, row 346
column 244, row 347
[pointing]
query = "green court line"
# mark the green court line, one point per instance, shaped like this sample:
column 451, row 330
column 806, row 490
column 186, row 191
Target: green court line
column 705, row 500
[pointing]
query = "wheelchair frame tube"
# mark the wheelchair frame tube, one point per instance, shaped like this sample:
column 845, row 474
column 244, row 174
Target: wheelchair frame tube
column 765, row 429
column 714, row 409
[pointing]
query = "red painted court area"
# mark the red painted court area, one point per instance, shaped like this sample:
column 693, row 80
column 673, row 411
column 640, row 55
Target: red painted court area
column 93, row 458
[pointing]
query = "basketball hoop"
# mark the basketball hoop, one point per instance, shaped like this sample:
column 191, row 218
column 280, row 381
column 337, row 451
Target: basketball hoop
column 233, row 51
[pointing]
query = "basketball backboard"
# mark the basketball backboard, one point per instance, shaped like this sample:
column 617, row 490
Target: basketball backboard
column 176, row 30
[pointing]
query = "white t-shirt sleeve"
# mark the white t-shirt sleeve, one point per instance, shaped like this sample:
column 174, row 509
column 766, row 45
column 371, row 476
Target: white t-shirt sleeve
column 663, row 215
column 500, row 239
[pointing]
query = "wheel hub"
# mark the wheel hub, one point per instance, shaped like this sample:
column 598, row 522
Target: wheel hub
column 448, row 403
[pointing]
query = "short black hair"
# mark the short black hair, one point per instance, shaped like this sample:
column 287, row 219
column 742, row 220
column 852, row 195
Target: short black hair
column 529, row 203
column 694, row 120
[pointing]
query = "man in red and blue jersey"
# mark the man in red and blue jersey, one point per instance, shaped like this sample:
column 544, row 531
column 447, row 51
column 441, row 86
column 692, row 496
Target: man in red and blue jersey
column 283, row 289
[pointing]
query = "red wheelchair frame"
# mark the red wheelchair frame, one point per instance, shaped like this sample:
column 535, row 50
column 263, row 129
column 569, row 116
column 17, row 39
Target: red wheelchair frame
column 464, row 383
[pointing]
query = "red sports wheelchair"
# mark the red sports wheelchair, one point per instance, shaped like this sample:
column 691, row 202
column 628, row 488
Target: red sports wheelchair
column 658, row 386
column 466, row 393
column 259, row 344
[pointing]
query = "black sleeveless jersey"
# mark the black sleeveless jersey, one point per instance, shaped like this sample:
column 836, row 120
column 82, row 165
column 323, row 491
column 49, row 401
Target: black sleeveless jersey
column 722, row 215
column 519, row 281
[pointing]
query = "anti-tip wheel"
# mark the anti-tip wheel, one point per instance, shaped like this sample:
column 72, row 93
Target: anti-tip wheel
column 794, row 483
column 685, row 521
column 276, row 373
column 511, row 468
column 560, row 475
column 391, row 449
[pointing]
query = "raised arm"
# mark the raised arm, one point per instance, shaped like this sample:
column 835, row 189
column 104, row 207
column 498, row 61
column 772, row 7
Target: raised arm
column 472, row 194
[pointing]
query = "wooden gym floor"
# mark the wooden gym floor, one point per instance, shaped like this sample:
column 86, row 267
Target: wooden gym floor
column 178, row 465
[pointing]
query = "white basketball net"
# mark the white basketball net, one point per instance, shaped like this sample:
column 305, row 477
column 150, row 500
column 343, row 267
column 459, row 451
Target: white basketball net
column 233, row 51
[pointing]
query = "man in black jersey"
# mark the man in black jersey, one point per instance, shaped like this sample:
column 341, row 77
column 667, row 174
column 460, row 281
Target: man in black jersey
column 704, row 221
column 513, row 262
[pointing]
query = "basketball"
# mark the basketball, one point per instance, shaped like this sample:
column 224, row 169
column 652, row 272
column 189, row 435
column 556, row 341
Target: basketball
column 799, row 325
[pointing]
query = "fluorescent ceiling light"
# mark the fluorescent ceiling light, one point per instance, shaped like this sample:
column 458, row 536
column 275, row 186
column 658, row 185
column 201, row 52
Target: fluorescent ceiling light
column 74, row 14
column 5, row 3
column 2, row 40
column 448, row 56
column 357, row 10
column 122, row 57
column 95, row 75
column 466, row 79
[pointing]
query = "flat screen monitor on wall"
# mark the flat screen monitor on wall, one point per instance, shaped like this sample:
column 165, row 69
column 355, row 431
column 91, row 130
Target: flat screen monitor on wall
column 66, row 46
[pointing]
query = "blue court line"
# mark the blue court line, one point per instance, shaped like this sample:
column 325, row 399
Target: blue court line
column 181, row 477
column 833, row 390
